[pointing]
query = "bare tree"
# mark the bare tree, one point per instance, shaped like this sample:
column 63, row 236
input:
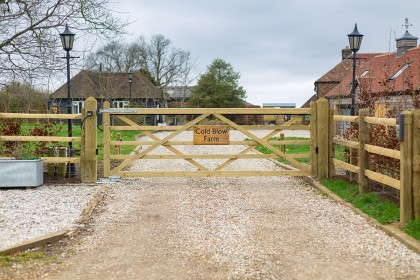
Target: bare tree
column 29, row 40
column 166, row 62
column 117, row 57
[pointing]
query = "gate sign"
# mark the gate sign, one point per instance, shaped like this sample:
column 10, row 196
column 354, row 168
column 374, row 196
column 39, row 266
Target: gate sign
column 211, row 135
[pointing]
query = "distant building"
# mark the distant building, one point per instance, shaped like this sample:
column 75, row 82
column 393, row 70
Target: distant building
column 277, row 119
column 105, row 86
column 178, row 96
column 385, row 82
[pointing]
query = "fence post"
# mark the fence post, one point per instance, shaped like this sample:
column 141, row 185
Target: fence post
column 406, row 169
column 323, row 114
column 416, row 164
column 107, row 150
column 282, row 147
column 62, row 167
column 88, row 157
column 314, row 140
column 363, row 155
column 331, row 146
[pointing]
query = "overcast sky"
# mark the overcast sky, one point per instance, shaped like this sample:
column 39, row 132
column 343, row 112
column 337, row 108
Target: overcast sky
column 280, row 47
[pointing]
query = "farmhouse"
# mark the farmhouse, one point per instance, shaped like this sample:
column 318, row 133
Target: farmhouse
column 106, row 86
column 386, row 83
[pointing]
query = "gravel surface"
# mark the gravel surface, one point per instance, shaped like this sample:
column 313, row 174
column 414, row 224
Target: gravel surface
column 229, row 228
column 30, row 213
column 233, row 228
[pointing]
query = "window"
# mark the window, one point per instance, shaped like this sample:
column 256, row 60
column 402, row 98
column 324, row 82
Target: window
column 77, row 107
column 365, row 73
column 120, row 104
column 393, row 77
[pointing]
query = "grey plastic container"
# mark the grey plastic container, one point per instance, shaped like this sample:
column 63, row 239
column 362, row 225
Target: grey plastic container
column 21, row 173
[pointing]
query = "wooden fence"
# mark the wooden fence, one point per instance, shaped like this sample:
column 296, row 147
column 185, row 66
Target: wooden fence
column 408, row 155
column 322, row 145
column 87, row 160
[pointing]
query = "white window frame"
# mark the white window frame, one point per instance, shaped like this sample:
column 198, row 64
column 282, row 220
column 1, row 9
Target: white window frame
column 120, row 104
column 402, row 69
column 77, row 106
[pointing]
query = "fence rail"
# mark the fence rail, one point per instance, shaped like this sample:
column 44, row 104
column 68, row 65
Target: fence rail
column 408, row 156
column 87, row 160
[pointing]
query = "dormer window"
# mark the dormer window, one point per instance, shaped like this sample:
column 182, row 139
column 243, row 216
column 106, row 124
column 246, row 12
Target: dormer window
column 393, row 77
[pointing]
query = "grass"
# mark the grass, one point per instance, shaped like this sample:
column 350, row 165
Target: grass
column 384, row 211
column 344, row 190
column 22, row 257
column 413, row 228
column 289, row 149
column 298, row 149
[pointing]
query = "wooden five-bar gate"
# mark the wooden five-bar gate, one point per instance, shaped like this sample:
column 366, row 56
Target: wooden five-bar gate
column 146, row 148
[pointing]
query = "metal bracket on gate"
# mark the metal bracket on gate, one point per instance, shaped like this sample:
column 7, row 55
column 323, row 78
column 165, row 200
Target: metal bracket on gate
column 116, row 111
column 110, row 179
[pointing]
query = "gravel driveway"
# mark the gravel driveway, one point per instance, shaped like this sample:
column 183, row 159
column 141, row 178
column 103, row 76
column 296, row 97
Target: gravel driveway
column 230, row 228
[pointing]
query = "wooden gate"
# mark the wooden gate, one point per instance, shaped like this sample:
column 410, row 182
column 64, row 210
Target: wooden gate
column 145, row 149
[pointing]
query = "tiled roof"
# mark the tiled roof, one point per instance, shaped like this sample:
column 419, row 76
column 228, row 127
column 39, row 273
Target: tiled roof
column 108, row 85
column 374, row 75
column 343, row 68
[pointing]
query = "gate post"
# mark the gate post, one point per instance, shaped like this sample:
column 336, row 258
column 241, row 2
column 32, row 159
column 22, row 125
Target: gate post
column 363, row 155
column 331, row 147
column 314, row 140
column 107, row 150
column 406, row 168
column 416, row 164
column 88, row 157
column 323, row 138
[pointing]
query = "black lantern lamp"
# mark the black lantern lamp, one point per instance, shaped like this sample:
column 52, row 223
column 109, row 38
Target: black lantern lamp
column 67, row 40
column 355, row 40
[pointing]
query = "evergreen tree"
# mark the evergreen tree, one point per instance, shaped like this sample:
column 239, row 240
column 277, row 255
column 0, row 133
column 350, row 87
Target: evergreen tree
column 218, row 87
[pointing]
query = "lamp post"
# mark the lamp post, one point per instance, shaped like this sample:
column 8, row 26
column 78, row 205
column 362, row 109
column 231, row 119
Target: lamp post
column 67, row 39
column 355, row 40
column 130, row 81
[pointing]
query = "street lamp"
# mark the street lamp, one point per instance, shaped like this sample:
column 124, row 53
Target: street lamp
column 130, row 80
column 67, row 39
column 355, row 40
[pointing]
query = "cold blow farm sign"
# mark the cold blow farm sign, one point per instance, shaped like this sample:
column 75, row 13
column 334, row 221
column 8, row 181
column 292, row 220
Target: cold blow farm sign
column 211, row 135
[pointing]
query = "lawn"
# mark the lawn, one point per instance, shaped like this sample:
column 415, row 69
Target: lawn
column 289, row 149
column 382, row 210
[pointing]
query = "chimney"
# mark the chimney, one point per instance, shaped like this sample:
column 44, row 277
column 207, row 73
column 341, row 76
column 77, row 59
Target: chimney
column 345, row 53
column 406, row 42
